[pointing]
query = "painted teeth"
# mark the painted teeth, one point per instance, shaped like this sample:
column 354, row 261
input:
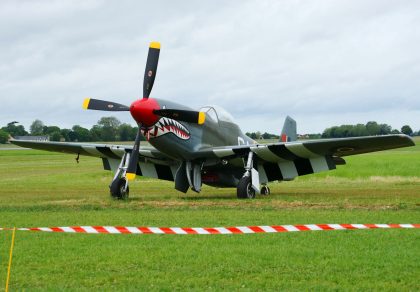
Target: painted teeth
column 166, row 125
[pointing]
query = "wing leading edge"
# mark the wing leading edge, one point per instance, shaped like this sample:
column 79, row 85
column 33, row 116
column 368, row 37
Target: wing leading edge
column 287, row 160
column 281, row 151
column 152, row 163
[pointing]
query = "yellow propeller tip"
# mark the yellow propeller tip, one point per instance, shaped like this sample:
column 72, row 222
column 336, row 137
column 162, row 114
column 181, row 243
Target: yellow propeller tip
column 155, row 45
column 201, row 118
column 86, row 103
column 130, row 176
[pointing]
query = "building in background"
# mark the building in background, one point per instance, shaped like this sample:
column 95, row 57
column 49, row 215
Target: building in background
column 34, row 138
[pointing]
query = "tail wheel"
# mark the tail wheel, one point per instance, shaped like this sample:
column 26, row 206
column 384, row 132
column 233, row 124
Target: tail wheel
column 244, row 189
column 265, row 190
column 119, row 189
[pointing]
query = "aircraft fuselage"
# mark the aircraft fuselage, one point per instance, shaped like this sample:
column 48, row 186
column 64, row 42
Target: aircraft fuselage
column 181, row 140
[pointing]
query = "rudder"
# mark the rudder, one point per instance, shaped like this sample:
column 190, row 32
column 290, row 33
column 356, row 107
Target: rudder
column 289, row 132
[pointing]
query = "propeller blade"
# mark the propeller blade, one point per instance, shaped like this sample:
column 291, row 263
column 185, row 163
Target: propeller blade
column 134, row 159
column 102, row 105
column 182, row 115
column 151, row 67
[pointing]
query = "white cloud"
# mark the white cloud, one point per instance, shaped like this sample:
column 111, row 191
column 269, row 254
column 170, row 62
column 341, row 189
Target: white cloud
column 323, row 62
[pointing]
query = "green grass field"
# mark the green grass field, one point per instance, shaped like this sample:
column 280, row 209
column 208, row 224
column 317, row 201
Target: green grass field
column 50, row 189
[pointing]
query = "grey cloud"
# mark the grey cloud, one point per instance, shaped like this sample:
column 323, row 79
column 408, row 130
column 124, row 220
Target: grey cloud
column 325, row 62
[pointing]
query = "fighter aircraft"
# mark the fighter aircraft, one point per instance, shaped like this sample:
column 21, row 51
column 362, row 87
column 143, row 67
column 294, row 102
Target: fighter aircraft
column 205, row 146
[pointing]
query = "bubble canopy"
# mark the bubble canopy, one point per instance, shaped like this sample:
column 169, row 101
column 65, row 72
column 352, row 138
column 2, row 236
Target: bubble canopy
column 217, row 113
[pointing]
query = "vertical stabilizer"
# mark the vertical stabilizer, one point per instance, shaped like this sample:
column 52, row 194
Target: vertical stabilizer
column 289, row 132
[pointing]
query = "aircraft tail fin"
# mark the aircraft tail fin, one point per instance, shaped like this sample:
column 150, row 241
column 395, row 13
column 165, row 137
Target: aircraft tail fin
column 289, row 132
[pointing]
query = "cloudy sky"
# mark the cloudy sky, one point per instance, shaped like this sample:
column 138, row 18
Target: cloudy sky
column 324, row 62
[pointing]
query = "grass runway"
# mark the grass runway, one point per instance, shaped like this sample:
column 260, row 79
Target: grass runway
column 50, row 189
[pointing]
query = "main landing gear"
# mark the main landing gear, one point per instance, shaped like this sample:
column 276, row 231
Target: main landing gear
column 119, row 186
column 249, row 184
column 244, row 189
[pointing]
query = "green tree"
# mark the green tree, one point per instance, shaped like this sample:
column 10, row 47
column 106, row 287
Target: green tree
column 95, row 133
column 4, row 137
column 315, row 136
column 82, row 134
column 385, row 129
column 406, row 129
column 360, row 130
column 251, row 135
column 15, row 130
column 48, row 130
column 65, row 134
column 72, row 136
column 269, row 136
column 36, row 128
column 373, row 128
column 125, row 133
column 109, row 128
column 55, row 136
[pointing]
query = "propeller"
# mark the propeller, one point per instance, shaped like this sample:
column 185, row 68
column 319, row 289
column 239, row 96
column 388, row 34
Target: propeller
column 151, row 67
column 101, row 105
column 131, row 171
column 145, row 111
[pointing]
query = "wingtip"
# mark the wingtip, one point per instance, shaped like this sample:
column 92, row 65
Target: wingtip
column 412, row 143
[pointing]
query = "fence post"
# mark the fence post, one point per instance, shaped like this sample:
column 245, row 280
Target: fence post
column 10, row 259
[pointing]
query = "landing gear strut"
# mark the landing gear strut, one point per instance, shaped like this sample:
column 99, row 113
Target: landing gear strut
column 119, row 186
column 246, row 186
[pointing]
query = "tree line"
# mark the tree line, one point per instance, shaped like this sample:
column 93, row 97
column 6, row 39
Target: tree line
column 257, row 135
column 107, row 129
column 110, row 129
column 371, row 128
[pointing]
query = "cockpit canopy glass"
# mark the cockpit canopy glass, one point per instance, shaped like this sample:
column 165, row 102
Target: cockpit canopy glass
column 216, row 113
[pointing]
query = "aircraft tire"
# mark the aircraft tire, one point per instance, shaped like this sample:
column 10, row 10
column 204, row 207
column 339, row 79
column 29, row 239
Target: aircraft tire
column 117, row 189
column 244, row 189
column 265, row 190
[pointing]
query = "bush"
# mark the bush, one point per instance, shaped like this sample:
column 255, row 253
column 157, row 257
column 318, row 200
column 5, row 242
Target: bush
column 4, row 137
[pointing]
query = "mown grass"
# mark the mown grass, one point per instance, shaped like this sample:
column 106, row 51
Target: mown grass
column 50, row 189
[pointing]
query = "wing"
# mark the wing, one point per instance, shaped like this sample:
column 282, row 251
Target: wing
column 152, row 163
column 286, row 160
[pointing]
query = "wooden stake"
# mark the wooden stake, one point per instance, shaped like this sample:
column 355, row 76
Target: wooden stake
column 10, row 259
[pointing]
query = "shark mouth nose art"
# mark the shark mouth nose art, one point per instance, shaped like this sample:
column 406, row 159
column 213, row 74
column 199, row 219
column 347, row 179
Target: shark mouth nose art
column 166, row 126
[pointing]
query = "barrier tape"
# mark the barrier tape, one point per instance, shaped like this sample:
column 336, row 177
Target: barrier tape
column 213, row 230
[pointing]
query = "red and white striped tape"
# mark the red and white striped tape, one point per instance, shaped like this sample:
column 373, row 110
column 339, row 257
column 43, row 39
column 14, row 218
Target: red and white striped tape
column 213, row 230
